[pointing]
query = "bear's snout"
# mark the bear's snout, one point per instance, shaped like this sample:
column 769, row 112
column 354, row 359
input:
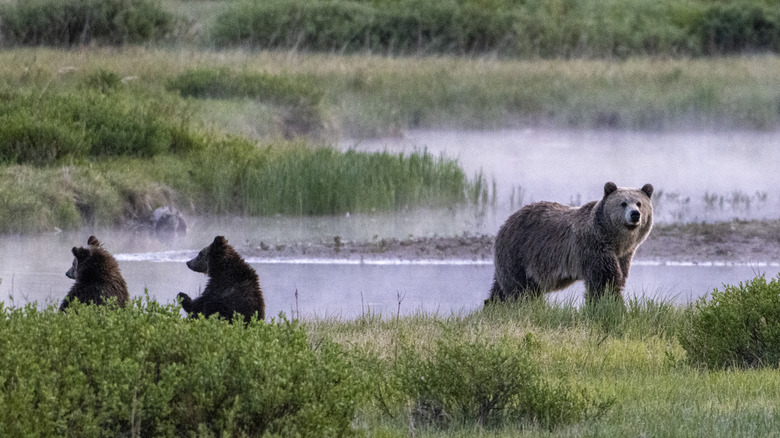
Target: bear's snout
column 635, row 216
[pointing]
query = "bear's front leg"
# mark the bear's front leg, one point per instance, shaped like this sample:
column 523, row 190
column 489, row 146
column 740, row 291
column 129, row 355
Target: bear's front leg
column 186, row 302
column 604, row 276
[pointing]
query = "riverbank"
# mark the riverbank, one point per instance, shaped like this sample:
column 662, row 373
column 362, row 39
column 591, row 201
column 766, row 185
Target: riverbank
column 740, row 242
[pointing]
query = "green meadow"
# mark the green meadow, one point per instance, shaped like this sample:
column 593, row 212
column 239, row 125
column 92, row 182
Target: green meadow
column 643, row 368
column 101, row 135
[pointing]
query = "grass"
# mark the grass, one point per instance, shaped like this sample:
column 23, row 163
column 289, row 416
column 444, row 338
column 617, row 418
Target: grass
column 365, row 95
column 632, row 358
column 625, row 364
column 291, row 179
column 155, row 137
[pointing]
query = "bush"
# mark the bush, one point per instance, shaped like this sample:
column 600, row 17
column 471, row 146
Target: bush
column 491, row 383
column 46, row 128
column 79, row 22
column 590, row 28
column 396, row 27
column 225, row 84
column 146, row 371
column 735, row 28
column 738, row 327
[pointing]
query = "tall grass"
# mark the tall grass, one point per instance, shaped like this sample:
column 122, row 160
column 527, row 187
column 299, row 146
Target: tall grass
column 93, row 148
column 300, row 180
column 371, row 95
column 629, row 356
column 239, row 178
column 83, row 22
column 593, row 28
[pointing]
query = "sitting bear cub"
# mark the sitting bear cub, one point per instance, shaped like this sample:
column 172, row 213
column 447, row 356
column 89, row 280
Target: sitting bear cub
column 232, row 287
column 97, row 276
column 546, row 246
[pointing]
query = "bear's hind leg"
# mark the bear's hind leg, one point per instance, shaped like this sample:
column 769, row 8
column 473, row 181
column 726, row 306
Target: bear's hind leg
column 496, row 293
column 521, row 288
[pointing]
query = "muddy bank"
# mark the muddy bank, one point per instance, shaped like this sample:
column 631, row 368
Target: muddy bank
column 735, row 242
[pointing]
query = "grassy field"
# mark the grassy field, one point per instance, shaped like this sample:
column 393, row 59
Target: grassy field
column 374, row 95
column 527, row 369
column 141, row 119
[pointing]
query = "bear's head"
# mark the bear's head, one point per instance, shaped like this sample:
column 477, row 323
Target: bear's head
column 203, row 261
column 628, row 209
column 81, row 255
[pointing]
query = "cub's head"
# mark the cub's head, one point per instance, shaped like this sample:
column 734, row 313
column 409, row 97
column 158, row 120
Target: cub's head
column 202, row 262
column 627, row 208
column 80, row 256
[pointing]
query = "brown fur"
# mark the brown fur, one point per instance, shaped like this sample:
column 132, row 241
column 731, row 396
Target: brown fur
column 547, row 246
column 97, row 276
column 233, row 286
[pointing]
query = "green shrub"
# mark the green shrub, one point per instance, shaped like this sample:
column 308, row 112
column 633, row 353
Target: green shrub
column 736, row 327
column 734, row 28
column 490, row 383
column 531, row 28
column 104, row 81
column 395, row 27
column 224, row 83
column 27, row 136
column 79, row 22
column 313, row 25
column 46, row 128
column 146, row 371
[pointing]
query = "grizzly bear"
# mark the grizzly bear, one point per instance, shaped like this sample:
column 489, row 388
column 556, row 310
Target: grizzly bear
column 546, row 246
column 97, row 276
column 232, row 287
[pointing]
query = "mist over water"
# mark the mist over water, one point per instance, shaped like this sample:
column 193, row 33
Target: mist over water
column 735, row 170
column 698, row 176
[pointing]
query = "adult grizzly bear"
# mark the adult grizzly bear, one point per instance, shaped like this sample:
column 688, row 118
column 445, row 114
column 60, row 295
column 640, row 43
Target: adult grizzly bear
column 546, row 246
column 232, row 287
column 97, row 276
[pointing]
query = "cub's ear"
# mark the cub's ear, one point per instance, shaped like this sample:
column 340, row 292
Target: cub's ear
column 609, row 188
column 93, row 241
column 80, row 253
column 220, row 241
column 648, row 189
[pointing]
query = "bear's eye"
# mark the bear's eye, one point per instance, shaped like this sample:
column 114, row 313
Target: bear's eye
column 639, row 204
column 624, row 204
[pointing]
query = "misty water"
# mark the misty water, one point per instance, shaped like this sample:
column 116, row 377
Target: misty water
column 697, row 176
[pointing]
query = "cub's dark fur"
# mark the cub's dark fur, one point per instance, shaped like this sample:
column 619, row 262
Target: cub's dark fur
column 232, row 287
column 97, row 276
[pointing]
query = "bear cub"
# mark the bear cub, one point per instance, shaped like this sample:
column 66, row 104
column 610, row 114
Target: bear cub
column 97, row 276
column 232, row 287
column 546, row 246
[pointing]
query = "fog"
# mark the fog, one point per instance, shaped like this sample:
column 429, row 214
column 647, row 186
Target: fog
column 698, row 176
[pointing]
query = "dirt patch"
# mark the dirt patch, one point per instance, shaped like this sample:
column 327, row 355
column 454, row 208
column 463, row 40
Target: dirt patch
column 735, row 242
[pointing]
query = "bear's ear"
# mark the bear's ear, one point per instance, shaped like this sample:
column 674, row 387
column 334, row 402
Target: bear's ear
column 648, row 189
column 80, row 253
column 219, row 241
column 609, row 188
column 93, row 241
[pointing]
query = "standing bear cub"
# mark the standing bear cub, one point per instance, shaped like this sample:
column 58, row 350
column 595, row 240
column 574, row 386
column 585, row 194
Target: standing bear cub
column 546, row 246
column 97, row 276
column 232, row 287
